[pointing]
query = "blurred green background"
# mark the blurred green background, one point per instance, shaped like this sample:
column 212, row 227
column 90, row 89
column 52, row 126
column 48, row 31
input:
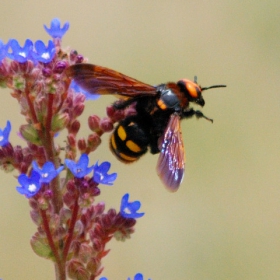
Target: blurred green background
column 224, row 222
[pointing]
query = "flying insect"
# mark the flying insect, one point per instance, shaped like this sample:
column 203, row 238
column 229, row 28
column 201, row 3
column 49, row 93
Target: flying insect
column 156, row 124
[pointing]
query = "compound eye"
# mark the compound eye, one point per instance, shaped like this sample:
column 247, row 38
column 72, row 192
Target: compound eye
column 193, row 89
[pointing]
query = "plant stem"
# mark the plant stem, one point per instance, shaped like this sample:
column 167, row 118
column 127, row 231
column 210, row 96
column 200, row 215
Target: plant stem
column 59, row 264
column 71, row 229
column 50, row 155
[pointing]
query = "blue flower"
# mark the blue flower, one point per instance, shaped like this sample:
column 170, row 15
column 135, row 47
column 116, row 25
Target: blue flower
column 29, row 185
column 44, row 54
column 55, row 31
column 3, row 50
column 47, row 172
column 129, row 209
column 79, row 169
column 138, row 276
column 20, row 54
column 4, row 134
column 88, row 96
column 101, row 176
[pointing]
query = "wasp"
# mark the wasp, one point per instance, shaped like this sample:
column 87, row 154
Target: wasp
column 156, row 124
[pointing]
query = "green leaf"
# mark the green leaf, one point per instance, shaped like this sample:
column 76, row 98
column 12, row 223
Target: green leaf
column 41, row 247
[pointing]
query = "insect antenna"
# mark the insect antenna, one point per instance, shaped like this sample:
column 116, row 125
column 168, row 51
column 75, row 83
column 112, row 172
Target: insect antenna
column 215, row 86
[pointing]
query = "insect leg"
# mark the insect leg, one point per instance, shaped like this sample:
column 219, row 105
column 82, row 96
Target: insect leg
column 191, row 112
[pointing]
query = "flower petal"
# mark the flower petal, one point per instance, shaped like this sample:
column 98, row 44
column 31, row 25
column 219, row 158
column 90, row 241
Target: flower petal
column 129, row 209
column 4, row 134
column 55, row 31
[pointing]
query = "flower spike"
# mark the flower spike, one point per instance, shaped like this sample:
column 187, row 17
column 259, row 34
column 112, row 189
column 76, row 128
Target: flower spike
column 4, row 134
column 55, row 31
column 129, row 209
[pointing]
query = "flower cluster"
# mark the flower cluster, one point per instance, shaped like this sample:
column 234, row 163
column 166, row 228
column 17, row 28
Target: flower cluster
column 59, row 181
column 36, row 52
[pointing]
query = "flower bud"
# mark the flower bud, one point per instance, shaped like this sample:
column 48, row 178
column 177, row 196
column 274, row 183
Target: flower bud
column 94, row 265
column 93, row 141
column 79, row 58
column 97, row 245
column 8, row 150
column 75, row 127
column 93, row 122
column 79, row 228
column 82, row 145
column 73, row 55
column 18, row 154
column 115, row 115
column 85, row 252
column 76, row 270
column 69, row 199
column 30, row 134
column 110, row 110
column 98, row 231
column 99, row 208
column 106, row 125
column 78, row 110
column 48, row 194
column 71, row 140
column 43, row 203
column 65, row 215
column 60, row 66
column 47, row 72
column 24, row 166
column 59, row 122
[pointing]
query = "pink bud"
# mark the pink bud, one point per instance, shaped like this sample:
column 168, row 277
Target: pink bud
column 93, row 141
column 76, row 270
column 47, row 72
column 82, row 145
column 78, row 110
column 71, row 140
column 93, row 122
column 106, row 125
column 60, row 66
